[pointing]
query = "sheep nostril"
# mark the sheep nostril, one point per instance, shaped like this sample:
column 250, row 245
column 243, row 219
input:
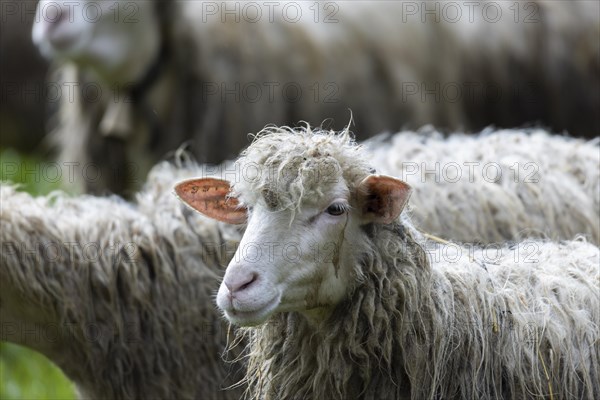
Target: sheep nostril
column 247, row 284
column 242, row 283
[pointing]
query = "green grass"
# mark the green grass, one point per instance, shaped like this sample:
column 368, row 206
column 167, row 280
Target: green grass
column 37, row 176
column 26, row 374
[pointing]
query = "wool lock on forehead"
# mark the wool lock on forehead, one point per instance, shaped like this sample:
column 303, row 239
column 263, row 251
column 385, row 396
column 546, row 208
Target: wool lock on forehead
column 296, row 167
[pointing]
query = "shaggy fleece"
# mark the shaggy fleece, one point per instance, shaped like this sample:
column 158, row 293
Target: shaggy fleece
column 118, row 294
column 497, row 185
column 422, row 320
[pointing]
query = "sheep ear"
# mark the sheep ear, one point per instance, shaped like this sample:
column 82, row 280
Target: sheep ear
column 209, row 196
column 382, row 198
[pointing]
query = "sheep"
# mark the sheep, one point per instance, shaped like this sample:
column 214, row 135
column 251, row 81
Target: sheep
column 498, row 185
column 75, row 228
column 341, row 297
column 119, row 295
column 208, row 73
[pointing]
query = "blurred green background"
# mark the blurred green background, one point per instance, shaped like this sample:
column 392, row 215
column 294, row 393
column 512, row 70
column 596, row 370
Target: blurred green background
column 26, row 374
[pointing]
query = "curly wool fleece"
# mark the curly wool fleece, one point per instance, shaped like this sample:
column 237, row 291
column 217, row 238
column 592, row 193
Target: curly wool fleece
column 286, row 168
column 468, row 325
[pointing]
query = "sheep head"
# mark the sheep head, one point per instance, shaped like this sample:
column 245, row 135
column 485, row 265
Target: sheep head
column 118, row 38
column 299, row 252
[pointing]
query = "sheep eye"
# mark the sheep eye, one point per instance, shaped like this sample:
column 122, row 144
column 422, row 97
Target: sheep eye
column 336, row 209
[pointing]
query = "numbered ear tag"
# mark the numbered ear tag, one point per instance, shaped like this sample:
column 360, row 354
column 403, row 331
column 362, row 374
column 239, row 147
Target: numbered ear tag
column 209, row 196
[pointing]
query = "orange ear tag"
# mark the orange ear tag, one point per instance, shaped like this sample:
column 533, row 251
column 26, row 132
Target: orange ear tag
column 209, row 197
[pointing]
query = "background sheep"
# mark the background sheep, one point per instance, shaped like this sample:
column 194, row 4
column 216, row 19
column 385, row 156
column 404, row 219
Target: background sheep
column 499, row 185
column 119, row 295
column 359, row 310
column 204, row 72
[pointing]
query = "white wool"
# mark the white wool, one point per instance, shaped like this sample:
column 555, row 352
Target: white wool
column 497, row 185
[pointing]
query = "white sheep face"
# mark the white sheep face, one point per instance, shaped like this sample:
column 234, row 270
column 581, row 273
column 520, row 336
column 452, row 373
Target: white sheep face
column 117, row 38
column 296, row 261
column 283, row 266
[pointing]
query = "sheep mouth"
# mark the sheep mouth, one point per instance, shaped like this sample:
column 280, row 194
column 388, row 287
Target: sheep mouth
column 254, row 317
column 63, row 42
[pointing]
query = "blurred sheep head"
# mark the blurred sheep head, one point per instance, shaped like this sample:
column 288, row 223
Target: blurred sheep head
column 116, row 38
